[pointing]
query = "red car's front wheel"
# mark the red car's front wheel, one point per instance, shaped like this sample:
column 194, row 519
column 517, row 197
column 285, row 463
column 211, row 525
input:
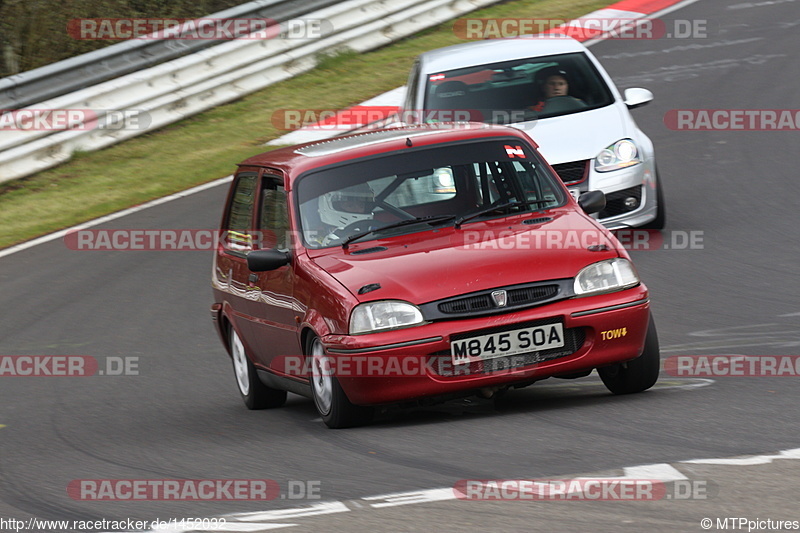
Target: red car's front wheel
column 639, row 374
column 332, row 403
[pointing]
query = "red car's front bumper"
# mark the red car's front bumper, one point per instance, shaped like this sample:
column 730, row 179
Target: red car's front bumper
column 397, row 365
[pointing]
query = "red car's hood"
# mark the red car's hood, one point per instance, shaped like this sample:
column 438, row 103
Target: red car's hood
column 430, row 265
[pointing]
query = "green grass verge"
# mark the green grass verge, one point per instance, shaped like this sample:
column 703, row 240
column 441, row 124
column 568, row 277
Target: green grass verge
column 209, row 145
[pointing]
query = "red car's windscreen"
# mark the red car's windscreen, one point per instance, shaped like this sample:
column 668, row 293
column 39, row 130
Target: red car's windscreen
column 442, row 184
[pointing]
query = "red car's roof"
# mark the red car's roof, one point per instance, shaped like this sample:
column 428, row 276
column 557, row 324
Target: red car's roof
column 294, row 160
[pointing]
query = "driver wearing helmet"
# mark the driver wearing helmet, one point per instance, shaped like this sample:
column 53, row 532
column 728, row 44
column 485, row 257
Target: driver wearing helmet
column 346, row 212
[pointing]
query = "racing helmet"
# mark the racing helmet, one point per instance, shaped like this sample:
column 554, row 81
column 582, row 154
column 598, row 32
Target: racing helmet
column 345, row 206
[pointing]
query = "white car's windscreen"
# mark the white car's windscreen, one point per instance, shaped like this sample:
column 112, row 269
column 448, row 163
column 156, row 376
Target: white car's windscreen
column 516, row 91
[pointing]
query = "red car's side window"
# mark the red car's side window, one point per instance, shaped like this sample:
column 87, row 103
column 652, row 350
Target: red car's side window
column 274, row 217
column 239, row 224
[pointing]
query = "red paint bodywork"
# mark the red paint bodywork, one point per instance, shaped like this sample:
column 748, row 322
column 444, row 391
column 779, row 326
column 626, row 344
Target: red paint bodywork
column 322, row 286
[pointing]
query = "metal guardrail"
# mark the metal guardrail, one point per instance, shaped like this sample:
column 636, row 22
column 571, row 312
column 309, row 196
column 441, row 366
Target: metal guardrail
column 50, row 81
column 188, row 85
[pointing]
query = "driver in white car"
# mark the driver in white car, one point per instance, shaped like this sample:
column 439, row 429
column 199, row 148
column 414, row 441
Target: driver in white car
column 552, row 83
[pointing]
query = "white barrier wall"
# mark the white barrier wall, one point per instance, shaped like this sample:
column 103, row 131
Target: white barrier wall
column 189, row 85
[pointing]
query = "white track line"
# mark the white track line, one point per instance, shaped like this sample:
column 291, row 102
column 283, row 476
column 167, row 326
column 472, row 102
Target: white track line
column 748, row 460
column 119, row 214
column 286, row 518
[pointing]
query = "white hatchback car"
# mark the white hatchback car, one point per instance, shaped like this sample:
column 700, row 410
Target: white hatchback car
column 553, row 88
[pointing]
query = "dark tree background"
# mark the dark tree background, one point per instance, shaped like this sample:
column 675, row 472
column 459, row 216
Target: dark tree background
column 33, row 33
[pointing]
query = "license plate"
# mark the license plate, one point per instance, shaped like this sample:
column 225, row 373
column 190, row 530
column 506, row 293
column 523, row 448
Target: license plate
column 576, row 193
column 524, row 340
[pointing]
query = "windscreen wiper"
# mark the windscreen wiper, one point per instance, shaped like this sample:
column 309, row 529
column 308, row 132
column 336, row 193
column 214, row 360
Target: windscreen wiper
column 463, row 218
column 398, row 224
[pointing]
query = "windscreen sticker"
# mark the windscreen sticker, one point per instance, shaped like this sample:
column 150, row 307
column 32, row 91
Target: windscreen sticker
column 515, row 151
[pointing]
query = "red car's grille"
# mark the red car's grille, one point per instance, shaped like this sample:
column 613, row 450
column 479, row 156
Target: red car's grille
column 465, row 305
column 518, row 296
column 532, row 294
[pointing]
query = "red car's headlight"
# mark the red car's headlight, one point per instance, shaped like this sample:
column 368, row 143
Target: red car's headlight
column 382, row 315
column 606, row 276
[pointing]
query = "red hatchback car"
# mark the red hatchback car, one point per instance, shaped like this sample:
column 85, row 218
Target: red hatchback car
column 420, row 263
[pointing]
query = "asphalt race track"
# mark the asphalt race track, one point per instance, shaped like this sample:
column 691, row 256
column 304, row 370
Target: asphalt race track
column 181, row 416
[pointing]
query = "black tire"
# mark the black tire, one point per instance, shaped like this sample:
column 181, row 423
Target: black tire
column 639, row 374
column 254, row 393
column 330, row 400
column 661, row 208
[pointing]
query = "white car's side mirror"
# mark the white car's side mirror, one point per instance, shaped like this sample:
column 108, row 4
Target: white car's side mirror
column 637, row 97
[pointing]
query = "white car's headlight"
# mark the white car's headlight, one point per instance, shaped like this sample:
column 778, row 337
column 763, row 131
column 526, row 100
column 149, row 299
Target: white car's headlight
column 621, row 154
column 605, row 276
column 388, row 314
